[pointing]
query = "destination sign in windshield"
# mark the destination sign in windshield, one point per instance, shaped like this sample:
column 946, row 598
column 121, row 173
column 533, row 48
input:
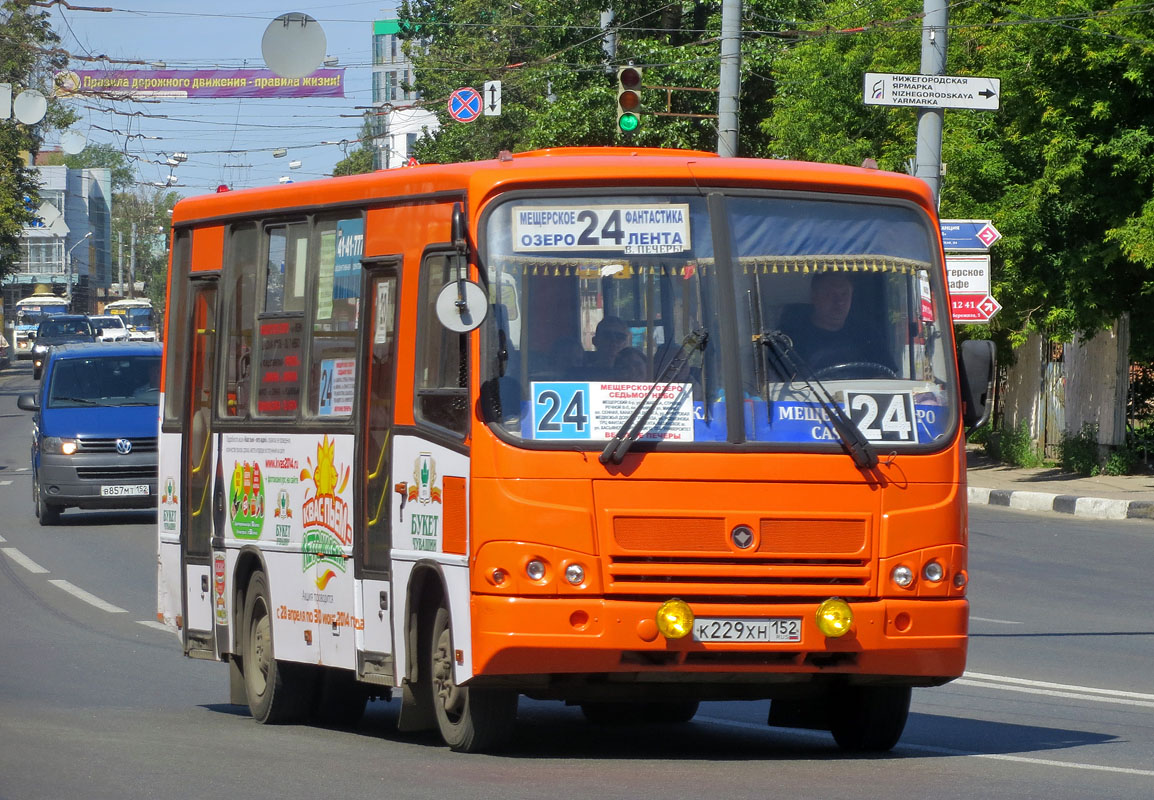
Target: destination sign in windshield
column 630, row 229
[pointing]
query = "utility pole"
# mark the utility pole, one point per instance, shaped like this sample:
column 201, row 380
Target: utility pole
column 120, row 263
column 730, row 81
column 132, row 263
column 928, row 157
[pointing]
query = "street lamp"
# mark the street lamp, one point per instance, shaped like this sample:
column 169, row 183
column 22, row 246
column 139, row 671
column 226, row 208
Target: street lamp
column 68, row 267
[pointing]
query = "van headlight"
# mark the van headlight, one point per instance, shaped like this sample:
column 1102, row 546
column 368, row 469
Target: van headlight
column 56, row 445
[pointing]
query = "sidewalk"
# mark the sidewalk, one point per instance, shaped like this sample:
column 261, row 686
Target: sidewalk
column 1051, row 489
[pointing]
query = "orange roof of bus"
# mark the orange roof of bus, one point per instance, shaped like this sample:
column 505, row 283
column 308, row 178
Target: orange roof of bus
column 601, row 166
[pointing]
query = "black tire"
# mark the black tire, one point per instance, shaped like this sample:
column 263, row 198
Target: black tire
column 276, row 691
column 627, row 713
column 340, row 699
column 470, row 720
column 869, row 719
column 47, row 513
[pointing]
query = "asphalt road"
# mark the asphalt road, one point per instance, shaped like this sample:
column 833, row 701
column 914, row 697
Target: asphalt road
column 96, row 702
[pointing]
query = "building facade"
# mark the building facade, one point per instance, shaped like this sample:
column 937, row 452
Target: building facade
column 67, row 251
column 399, row 121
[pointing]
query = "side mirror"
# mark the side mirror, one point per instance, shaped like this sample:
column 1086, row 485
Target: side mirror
column 27, row 402
column 976, row 370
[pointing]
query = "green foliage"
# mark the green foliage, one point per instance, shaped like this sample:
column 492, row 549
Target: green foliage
column 1079, row 452
column 1123, row 461
column 1014, row 446
column 360, row 159
column 27, row 61
column 98, row 155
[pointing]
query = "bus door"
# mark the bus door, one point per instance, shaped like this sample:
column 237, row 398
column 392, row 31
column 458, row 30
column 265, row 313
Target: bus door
column 375, row 663
column 197, row 478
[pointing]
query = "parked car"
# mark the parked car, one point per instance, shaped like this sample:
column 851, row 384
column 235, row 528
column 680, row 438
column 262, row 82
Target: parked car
column 111, row 327
column 97, row 417
column 59, row 329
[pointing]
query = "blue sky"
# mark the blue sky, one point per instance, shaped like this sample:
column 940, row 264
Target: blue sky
column 207, row 34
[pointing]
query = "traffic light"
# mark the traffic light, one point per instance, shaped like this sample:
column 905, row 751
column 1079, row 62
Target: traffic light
column 628, row 99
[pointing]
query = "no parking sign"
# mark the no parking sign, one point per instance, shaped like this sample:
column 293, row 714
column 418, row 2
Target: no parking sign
column 465, row 104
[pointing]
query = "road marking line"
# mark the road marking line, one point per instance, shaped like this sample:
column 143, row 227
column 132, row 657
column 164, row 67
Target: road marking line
column 2, row 540
column 942, row 751
column 997, row 621
column 91, row 599
column 1051, row 693
column 148, row 623
column 5, row 483
column 23, row 560
column 982, row 676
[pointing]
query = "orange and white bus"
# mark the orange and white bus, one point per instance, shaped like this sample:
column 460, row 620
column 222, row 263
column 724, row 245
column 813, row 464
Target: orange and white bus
column 570, row 425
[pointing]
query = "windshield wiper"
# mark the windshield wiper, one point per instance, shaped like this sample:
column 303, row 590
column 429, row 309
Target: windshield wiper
column 850, row 436
column 619, row 445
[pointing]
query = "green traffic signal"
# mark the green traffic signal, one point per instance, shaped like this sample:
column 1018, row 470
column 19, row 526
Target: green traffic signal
column 628, row 99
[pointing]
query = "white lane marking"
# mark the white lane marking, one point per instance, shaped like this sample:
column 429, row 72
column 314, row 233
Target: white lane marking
column 1051, row 693
column 942, row 751
column 23, row 560
column 1068, row 687
column 91, row 599
column 5, row 483
column 996, row 621
column 148, row 623
column 2, row 540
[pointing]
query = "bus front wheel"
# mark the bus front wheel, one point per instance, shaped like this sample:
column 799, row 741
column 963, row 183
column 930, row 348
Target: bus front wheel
column 471, row 720
column 869, row 719
column 276, row 691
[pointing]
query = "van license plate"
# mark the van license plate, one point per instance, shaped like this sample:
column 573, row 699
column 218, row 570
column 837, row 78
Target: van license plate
column 768, row 629
column 140, row 490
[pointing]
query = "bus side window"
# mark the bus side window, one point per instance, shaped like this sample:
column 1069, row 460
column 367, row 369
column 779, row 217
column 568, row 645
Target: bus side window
column 441, row 382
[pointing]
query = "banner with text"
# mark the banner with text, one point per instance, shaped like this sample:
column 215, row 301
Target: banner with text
column 195, row 83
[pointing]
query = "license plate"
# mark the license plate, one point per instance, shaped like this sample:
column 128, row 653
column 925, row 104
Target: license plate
column 139, row 490
column 770, row 629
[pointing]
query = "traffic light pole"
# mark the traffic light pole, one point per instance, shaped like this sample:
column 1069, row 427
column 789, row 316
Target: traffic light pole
column 730, row 80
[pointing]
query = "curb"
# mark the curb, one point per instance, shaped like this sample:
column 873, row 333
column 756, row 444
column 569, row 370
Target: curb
column 1092, row 507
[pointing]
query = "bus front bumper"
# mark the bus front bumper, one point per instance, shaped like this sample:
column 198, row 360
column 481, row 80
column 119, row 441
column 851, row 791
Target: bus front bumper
column 922, row 642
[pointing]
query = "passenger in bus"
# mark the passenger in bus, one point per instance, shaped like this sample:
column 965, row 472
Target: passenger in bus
column 631, row 366
column 830, row 335
column 611, row 336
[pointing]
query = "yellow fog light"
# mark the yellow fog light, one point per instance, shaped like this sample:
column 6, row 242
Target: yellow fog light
column 675, row 619
column 834, row 617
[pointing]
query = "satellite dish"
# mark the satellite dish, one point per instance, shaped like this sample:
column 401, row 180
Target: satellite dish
column 30, row 106
column 72, row 142
column 293, row 45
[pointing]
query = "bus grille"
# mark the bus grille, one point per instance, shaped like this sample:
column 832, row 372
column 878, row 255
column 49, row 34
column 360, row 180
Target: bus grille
column 694, row 557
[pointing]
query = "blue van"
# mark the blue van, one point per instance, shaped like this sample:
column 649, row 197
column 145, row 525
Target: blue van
column 97, row 418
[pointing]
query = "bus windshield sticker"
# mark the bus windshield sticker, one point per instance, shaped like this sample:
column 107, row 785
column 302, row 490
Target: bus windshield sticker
column 653, row 228
column 888, row 417
column 596, row 410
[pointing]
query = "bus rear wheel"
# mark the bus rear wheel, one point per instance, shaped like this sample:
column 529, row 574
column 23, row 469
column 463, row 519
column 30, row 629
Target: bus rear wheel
column 869, row 719
column 470, row 720
column 276, row 691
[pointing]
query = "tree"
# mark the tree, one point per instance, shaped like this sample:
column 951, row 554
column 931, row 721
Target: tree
column 28, row 59
column 360, row 160
column 98, row 155
column 558, row 83
column 147, row 209
column 1063, row 167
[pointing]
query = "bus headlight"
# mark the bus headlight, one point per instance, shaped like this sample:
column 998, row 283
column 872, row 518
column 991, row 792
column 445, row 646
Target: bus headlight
column 834, row 617
column 575, row 574
column 675, row 619
column 933, row 571
column 902, row 575
column 535, row 570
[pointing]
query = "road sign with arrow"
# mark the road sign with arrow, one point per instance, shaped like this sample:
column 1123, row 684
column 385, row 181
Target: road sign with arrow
column 932, row 91
column 492, row 98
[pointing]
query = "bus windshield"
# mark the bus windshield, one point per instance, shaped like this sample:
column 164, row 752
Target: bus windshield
column 31, row 316
column 818, row 298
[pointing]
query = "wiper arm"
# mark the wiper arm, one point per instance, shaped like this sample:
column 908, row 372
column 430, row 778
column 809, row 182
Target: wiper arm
column 852, row 439
column 619, row 445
